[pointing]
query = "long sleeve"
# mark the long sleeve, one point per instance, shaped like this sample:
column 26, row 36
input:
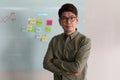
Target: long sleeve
column 80, row 59
column 47, row 61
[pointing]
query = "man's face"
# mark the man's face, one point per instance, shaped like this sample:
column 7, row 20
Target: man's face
column 68, row 21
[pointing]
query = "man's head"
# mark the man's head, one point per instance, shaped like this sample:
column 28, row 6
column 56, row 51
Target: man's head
column 67, row 7
column 68, row 18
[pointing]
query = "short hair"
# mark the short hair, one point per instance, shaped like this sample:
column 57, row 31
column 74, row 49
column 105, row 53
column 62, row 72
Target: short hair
column 67, row 7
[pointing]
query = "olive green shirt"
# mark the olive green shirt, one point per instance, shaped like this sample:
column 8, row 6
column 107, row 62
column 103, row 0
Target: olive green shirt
column 70, row 54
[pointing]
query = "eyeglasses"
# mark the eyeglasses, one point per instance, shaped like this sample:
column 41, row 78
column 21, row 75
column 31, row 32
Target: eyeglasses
column 65, row 19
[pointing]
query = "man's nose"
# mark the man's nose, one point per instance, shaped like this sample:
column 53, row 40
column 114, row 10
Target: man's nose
column 68, row 20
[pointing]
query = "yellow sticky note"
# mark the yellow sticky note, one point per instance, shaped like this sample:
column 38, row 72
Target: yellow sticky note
column 44, row 38
column 29, row 27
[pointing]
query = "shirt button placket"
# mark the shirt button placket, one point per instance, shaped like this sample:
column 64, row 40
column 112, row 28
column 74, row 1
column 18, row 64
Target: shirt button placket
column 65, row 45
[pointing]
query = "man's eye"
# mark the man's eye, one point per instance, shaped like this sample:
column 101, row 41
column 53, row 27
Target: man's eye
column 72, row 18
column 63, row 18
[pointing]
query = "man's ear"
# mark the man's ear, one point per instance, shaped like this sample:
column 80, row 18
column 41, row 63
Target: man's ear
column 77, row 19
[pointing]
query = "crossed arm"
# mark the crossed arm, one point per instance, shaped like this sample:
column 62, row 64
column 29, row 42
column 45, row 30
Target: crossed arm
column 61, row 67
column 67, row 73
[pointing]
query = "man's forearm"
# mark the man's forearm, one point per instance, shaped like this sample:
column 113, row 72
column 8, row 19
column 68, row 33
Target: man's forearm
column 68, row 73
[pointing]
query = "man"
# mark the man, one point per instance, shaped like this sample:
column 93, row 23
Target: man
column 68, row 52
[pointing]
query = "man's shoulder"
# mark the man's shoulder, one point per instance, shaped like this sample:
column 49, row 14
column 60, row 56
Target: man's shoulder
column 83, row 36
column 58, row 36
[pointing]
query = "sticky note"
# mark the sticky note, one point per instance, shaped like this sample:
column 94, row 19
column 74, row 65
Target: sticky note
column 42, row 14
column 38, row 30
column 30, row 28
column 48, row 29
column 39, row 22
column 32, row 21
column 44, row 38
column 49, row 23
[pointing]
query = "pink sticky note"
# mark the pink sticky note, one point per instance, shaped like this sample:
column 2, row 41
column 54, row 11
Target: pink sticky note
column 49, row 22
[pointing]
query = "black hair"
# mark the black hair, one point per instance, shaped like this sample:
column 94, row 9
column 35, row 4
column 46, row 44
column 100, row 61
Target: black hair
column 67, row 7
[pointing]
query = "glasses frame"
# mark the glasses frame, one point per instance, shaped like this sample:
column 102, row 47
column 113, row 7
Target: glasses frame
column 66, row 19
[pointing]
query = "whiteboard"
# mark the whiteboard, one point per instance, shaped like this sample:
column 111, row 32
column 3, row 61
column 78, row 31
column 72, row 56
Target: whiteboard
column 26, row 27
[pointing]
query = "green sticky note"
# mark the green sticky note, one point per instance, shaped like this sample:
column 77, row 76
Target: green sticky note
column 39, row 22
column 48, row 29
column 32, row 29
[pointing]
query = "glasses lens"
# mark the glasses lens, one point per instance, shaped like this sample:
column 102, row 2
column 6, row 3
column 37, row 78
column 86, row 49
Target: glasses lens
column 71, row 19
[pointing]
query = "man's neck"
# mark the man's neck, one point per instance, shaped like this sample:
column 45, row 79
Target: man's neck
column 69, row 33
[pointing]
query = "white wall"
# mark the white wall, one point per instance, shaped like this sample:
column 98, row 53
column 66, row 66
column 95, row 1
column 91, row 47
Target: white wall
column 103, row 26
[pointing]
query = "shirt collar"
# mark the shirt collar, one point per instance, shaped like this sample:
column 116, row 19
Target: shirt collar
column 72, row 35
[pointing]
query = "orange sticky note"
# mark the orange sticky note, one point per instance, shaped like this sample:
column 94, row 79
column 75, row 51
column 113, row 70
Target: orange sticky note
column 32, row 21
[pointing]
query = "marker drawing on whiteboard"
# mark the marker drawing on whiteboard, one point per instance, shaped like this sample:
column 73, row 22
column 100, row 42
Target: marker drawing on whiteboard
column 8, row 18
